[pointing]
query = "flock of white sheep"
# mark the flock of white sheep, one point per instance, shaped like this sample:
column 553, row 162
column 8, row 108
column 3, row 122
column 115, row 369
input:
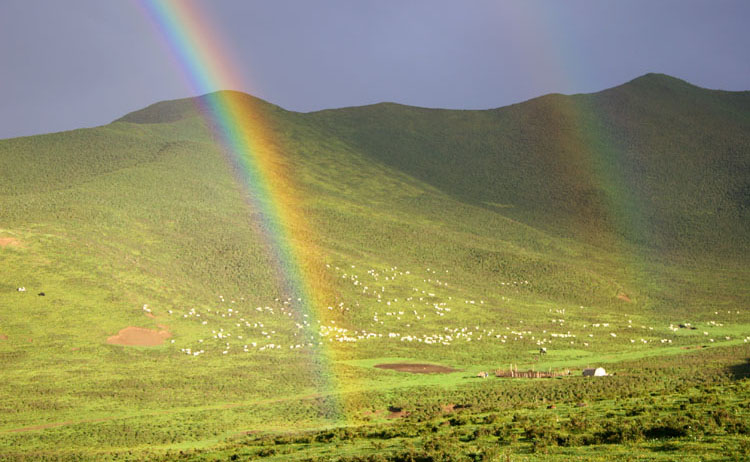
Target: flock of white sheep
column 411, row 313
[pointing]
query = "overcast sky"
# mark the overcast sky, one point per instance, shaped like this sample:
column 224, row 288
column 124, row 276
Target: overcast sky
column 68, row 64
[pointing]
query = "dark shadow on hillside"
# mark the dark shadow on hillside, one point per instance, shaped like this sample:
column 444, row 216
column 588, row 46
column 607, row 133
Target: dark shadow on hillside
column 740, row 371
column 617, row 165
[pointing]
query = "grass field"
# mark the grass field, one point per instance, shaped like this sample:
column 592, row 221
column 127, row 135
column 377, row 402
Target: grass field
column 610, row 229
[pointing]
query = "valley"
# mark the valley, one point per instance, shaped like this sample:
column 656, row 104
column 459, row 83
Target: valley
column 609, row 229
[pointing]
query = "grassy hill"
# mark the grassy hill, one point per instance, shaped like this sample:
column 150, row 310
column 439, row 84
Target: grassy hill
column 591, row 225
column 656, row 161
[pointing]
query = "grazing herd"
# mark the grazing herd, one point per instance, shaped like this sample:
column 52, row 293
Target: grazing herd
column 416, row 309
column 23, row 289
column 394, row 305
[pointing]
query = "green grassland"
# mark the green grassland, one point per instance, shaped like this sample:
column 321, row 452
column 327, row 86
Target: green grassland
column 591, row 225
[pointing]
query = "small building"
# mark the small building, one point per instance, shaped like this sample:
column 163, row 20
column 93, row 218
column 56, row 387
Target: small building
column 591, row 372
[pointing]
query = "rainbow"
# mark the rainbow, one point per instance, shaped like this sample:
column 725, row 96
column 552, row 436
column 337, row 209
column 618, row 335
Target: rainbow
column 553, row 53
column 247, row 139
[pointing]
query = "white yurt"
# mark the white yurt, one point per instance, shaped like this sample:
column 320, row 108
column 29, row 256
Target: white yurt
column 591, row 372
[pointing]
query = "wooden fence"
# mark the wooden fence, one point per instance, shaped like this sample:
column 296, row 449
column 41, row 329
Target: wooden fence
column 514, row 373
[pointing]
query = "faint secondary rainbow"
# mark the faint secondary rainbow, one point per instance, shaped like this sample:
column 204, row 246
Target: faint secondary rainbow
column 592, row 142
column 244, row 132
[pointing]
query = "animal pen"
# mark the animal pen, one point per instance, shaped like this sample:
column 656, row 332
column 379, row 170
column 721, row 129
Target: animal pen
column 514, row 373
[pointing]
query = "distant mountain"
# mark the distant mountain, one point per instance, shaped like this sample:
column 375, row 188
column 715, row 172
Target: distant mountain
column 656, row 160
column 656, row 166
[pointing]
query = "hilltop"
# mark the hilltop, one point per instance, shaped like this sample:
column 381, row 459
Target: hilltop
column 591, row 225
column 657, row 161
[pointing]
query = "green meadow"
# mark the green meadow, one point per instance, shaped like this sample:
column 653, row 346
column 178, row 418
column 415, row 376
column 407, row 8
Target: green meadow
column 611, row 230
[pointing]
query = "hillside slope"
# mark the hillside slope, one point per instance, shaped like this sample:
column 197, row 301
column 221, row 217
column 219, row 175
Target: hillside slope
column 588, row 224
column 656, row 160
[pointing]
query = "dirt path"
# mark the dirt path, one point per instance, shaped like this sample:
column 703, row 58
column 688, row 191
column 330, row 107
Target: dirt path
column 38, row 427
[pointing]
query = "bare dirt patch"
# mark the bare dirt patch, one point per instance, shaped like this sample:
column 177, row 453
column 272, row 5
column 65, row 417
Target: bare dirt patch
column 396, row 413
column 3, row 337
column 624, row 297
column 448, row 408
column 6, row 241
column 417, row 368
column 139, row 336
